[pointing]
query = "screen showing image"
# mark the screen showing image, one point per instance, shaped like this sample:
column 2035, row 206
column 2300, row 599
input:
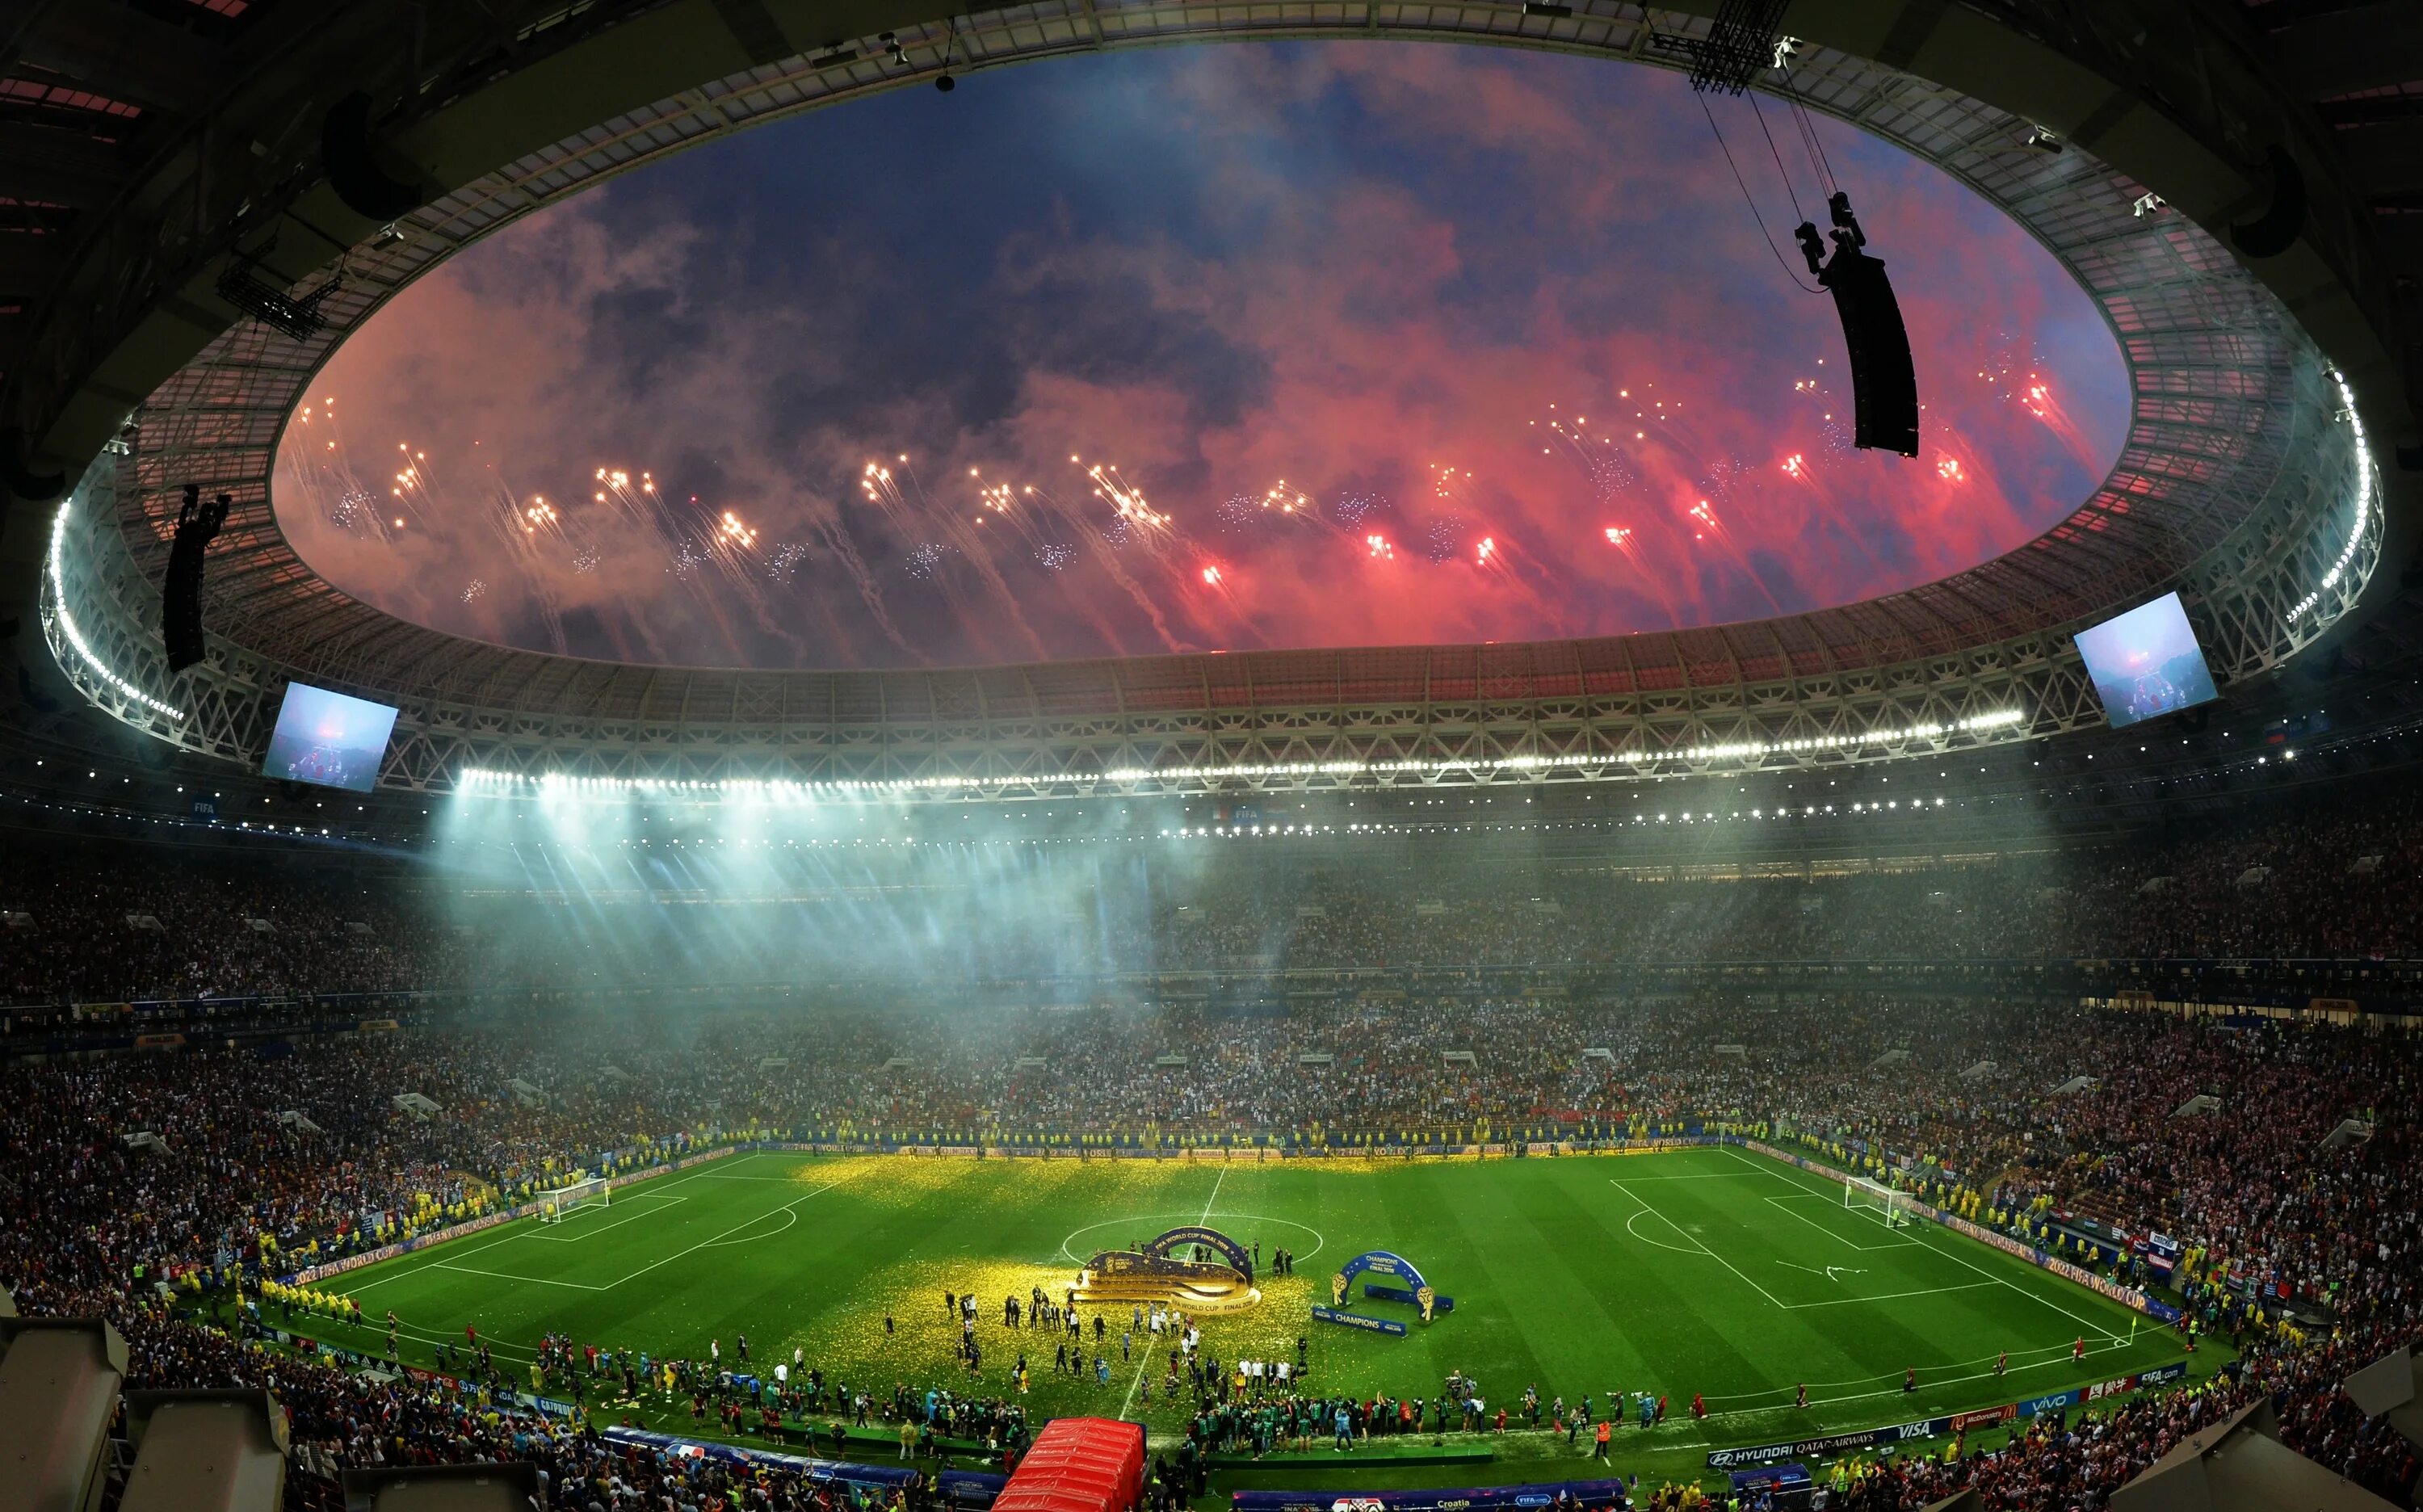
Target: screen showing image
column 2147, row 662
column 329, row 739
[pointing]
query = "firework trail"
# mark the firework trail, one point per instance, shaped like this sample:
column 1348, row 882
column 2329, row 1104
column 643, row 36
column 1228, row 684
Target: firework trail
column 879, row 486
column 962, row 534
column 1496, row 558
column 532, row 531
column 1610, row 467
column 1023, row 513
column 1626, row 539
column 1812, row 472
column 1802, row 469
column 1106, row 551
column 844, row 551
column 319, row 468
column 1706, row 525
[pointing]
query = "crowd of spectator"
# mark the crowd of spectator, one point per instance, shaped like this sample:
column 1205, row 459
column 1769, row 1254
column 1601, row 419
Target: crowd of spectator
column 2338, row 882
column 88, row 1223
column 274, row 1142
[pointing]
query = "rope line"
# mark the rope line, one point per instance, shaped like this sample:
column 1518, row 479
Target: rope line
column 1805, row 288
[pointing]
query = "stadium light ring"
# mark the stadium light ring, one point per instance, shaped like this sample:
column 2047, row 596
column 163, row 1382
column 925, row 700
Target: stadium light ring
column 2185, row 301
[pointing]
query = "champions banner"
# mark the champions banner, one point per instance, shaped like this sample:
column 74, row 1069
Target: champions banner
column 1357, row 1320
column 1466, row 1499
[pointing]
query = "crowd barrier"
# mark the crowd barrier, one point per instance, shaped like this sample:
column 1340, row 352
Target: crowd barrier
column 828, row 1472
column 1606, row 1492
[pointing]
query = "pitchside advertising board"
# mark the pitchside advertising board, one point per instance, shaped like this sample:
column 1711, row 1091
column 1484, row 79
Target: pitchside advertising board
column 882, row 1477
column 1462, row 1499
column 1900, row 1433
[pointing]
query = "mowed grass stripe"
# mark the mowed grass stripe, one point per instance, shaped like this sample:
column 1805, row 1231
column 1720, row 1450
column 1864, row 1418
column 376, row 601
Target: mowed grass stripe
column 1666, row 1305
column 1536, row 1244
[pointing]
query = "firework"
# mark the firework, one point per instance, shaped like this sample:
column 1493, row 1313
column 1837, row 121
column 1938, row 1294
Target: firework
column 911, row 512
column 1351, row 507
column 1106, row 537
column 784, row 563
column 1445, row 538
column 1626, row 539
column 1608, row 467
column 1706, row 527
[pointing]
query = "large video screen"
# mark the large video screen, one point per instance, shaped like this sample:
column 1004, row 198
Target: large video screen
column 2147, row 662
column 329, row 739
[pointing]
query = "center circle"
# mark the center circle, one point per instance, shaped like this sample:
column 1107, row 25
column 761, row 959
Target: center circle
column 1194, row 1219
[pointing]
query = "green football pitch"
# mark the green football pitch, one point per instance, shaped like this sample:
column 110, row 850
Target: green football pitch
column 1707, row 1270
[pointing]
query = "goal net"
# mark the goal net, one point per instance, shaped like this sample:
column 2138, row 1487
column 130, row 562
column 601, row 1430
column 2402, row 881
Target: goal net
column 1863, row 1195
column 552, row 1206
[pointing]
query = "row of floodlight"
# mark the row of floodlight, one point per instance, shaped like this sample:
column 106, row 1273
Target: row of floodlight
column 66, row 621
column 2368, row 481
column 1198, row 832
column 568, row 785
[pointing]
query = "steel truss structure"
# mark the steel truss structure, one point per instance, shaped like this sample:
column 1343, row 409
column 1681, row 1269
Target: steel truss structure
column 2245, row 482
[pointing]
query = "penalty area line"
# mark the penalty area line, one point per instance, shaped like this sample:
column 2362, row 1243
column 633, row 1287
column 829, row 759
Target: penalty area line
column 2096, row 1329
column 737, row 1228
column 504, row 1275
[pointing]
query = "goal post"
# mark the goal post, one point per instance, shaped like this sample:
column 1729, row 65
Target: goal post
column 1860, row 1194
column 554, row 1205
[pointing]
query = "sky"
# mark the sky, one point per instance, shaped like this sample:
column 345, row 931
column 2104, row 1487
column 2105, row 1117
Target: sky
column 1205, row 348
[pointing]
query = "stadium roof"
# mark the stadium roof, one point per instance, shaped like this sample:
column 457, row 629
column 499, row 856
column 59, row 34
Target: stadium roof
column 2240, row 481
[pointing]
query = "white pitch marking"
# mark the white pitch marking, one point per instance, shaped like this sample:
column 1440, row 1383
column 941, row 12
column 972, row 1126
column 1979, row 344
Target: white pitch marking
column 1695, row 1239
column 501, row 1275
column 725, row 1235
column 2098, row 1329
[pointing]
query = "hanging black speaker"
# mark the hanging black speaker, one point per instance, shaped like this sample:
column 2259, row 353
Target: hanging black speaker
column 1884, row 384
column 181, row 591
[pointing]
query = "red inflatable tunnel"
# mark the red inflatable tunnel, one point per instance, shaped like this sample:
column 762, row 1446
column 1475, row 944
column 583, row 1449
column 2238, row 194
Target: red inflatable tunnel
column 1078, row 1465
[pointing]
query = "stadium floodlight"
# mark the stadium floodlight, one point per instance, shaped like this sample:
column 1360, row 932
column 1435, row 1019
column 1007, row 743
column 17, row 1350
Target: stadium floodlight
column 443, row 1488
column 205, row 1452
column 58, row 1390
